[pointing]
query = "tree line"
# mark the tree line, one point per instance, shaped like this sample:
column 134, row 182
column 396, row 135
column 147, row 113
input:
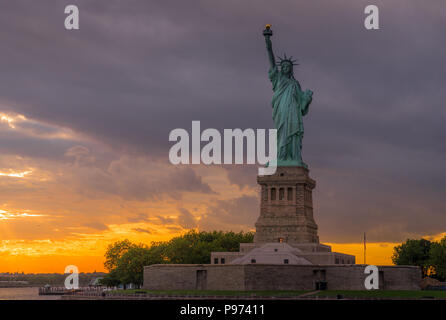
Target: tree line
column 125, row 260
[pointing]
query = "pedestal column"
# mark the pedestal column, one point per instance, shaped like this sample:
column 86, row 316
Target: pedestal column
column 286, row 207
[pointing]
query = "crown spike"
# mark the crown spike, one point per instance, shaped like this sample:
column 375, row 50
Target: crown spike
column 289, row 59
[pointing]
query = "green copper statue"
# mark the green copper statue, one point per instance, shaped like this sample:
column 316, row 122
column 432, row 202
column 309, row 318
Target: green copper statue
column 289, row 104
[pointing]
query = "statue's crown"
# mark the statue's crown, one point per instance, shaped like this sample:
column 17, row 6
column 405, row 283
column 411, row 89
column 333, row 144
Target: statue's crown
column 287, row 59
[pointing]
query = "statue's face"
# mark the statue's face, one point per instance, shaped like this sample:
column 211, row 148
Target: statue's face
column 286, row 68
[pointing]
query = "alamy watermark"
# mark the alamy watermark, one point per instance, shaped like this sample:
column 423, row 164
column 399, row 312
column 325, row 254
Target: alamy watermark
column 372, row 280
column 72, row 280
column 188, row 148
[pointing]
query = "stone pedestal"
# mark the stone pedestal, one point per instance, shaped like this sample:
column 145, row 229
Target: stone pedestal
column 286, row 207
column 286, row 232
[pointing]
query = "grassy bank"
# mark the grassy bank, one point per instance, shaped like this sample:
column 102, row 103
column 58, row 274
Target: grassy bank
column 213, row 293
column 402, row 294
column 382, row 294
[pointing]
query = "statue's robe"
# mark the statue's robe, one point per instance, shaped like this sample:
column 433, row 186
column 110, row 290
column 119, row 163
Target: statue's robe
column 289, row 104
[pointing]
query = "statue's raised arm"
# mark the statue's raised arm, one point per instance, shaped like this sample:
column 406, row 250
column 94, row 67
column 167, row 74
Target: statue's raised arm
column 267, row 33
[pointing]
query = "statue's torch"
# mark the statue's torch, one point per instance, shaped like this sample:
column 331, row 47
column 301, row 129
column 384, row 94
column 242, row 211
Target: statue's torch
column 267, row 32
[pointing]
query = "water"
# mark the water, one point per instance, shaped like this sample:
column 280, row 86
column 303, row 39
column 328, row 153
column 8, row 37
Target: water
column 23, row 294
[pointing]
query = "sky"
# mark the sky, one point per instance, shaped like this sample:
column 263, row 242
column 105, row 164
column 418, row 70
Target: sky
column 85, row 117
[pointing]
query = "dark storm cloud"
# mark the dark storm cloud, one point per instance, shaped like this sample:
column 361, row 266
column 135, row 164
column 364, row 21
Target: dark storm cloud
column 186, row 220
column 34, row 140
column 242, row 175
column 96, row 225
column 238, row 213
column 164, row 220
column 135, row 180
column 143, row 230
column 138, row 69
column 138, row 217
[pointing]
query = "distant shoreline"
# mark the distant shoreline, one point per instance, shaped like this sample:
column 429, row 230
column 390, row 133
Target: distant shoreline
column 16, row 284
column 41, row 279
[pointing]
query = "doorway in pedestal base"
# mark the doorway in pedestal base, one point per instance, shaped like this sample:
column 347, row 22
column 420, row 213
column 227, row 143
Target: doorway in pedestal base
column 201, row 280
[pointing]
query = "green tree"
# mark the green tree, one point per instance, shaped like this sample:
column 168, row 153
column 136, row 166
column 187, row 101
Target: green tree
column 438, row 259
column 414, row 253
column 111, row 279
column 125, row 261
column 196, row 247
column 130, row 266
column 114, row 252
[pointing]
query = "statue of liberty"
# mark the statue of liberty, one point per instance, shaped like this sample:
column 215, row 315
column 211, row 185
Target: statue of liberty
column 289, row 104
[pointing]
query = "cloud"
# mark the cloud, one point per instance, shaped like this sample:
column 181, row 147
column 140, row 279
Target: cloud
column 186, row 220
column 81, row 155
column 165, row 220
column 143, row 230
column 232, row 214
column 242, row 175
column 137, row 217
column 133, row 178
column 96, row 225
